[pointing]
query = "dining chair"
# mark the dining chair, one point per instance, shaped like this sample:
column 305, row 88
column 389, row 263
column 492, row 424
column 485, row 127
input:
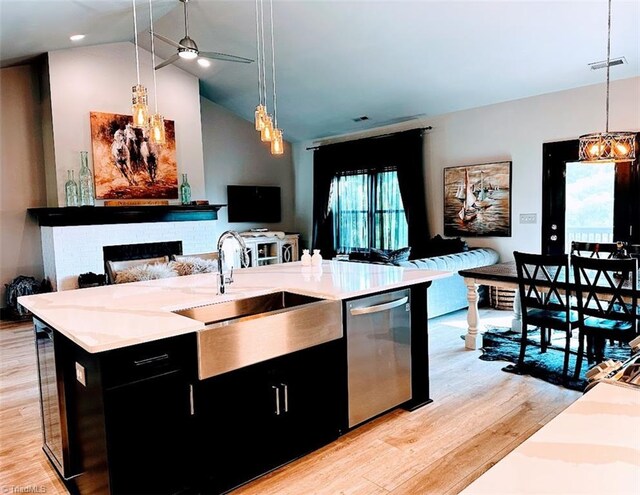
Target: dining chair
column 545, row 300
column 607, row 303
column 594, row 249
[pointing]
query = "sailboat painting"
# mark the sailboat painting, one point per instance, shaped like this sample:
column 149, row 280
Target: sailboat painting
column 477, row 200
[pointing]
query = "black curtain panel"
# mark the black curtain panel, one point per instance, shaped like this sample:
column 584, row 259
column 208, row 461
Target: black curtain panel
column 402, row 151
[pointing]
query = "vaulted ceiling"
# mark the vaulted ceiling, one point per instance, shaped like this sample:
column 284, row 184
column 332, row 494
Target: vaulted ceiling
column 336, row 61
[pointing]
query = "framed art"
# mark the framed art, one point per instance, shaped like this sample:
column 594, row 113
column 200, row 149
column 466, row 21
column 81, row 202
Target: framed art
column 477, row 200
column 127, row 165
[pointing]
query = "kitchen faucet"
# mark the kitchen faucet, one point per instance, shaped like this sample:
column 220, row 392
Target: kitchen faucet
column 244, row 257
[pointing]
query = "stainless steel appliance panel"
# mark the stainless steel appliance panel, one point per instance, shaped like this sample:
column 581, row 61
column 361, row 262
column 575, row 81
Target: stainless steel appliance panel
column 378, row 353
column 240, row 342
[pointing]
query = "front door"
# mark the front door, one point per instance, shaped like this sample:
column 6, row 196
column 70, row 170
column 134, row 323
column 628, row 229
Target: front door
column 587, row 201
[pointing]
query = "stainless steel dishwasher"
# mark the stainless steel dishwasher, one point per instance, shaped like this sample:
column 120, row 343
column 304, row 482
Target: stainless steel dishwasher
column 378, row 353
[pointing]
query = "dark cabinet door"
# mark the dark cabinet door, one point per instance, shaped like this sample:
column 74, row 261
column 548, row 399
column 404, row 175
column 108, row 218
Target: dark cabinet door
column 314, row 399
column 260, row 417
column 235, row 414
column 149, row 433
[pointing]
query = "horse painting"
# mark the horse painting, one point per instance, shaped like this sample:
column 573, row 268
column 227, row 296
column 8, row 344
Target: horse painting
column 127, row 164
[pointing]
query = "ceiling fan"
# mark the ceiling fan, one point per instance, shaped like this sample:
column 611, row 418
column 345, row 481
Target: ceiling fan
column 188, row 50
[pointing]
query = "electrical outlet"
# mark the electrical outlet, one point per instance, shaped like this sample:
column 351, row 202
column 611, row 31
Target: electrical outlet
column 80, row 374
column 528, row 218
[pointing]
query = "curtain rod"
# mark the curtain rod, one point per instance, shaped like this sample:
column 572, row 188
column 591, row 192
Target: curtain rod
column 428, row 128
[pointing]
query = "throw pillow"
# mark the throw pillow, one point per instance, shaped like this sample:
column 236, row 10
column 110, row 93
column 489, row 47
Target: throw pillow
column 193, row 265
column 145, row 272
column 390, row 255
column 439, row 246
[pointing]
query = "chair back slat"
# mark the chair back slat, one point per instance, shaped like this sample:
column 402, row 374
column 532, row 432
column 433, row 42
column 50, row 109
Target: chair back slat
column 542, row 281
column 601, row 287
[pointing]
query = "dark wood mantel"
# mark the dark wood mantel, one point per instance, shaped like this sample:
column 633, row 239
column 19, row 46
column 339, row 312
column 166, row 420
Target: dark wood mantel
column 101, row 215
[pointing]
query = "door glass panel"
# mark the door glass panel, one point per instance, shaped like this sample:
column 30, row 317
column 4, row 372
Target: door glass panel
column 589, row 202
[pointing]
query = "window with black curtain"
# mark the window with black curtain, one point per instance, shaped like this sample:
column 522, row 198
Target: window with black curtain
column 368, row 211
column 370, row 193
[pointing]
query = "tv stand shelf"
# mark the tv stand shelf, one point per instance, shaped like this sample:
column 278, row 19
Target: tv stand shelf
column 271, row 249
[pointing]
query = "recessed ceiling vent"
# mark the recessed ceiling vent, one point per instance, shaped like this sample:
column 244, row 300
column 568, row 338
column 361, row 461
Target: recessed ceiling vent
column 603, row 63
column 360, row 119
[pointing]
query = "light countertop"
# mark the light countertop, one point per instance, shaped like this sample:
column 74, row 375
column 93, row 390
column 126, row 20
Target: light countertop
column 593, row 446
column 113, row 316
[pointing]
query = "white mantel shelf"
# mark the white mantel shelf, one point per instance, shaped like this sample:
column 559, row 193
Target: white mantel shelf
column 109, row 317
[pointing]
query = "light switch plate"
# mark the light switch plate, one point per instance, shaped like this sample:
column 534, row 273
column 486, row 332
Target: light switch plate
column 80, row 374
column 528, row 218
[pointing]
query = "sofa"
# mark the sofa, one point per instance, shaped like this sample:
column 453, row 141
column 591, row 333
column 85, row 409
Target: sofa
column 443, row 254
column 450, row 294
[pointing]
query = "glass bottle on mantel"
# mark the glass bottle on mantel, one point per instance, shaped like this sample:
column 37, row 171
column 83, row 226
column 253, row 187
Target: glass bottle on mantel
column 70, row 190
column 185, row 191
column 87, row 197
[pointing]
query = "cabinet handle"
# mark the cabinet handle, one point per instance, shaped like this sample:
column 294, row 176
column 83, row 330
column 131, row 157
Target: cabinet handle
column 286, row 397
column 277, row 391
column 192, row 409
column 150, row 360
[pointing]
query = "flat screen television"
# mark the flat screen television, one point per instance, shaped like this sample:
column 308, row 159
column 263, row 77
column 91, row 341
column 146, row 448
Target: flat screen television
column 253, row 204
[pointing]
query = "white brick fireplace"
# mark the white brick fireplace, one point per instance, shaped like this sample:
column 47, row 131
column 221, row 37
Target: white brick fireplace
column 68, row 251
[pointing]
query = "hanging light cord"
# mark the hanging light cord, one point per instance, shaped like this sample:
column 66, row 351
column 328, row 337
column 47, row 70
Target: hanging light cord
column 186, row 17
column 264, row 74
column 608, row 61
column 273, row 71
column 258, row 54
column 153, row 60
column 135, row 39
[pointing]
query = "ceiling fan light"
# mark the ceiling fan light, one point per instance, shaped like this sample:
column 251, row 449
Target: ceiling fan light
column 156, row 123
column 267, row 131
column 203, row 62
column 277, row 144
column 139, row 107
column 187, row 54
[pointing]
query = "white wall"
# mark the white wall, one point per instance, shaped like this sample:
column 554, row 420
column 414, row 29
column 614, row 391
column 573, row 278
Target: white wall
column 513, row 131
column 99, row 78
column 234, row 154
column 22, row 181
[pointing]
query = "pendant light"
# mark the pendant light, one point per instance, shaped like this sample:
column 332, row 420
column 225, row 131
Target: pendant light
column 277, row 147
column 267, row 128
column 607, row 146
column 156, row 122
column 139, row 107
column 261, row 109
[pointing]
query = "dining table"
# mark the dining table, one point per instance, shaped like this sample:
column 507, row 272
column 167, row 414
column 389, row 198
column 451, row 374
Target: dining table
column 505, row 275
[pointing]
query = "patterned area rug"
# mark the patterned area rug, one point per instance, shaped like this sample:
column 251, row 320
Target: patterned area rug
column 503, row 344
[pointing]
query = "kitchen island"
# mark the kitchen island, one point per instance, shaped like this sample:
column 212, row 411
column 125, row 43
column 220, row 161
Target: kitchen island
column 127, row 407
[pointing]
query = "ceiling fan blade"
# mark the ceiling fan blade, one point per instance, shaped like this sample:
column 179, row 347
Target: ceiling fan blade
column 224, row 56
column 170, row 60
column 167, row 40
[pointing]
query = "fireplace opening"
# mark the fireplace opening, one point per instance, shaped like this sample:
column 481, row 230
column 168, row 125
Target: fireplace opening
column 128, row 252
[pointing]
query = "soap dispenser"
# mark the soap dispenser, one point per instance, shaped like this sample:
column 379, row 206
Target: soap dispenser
column 306, row 257
column 316, row 259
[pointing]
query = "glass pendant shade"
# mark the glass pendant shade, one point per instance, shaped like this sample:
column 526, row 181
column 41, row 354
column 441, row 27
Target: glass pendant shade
column 139, row 107
column 607, row 147
column 156, row 123
column 277, row 145
column 260, row 114
column 267, row 131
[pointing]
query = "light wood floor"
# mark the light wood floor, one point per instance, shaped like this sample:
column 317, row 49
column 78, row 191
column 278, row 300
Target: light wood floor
column 479, row 415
